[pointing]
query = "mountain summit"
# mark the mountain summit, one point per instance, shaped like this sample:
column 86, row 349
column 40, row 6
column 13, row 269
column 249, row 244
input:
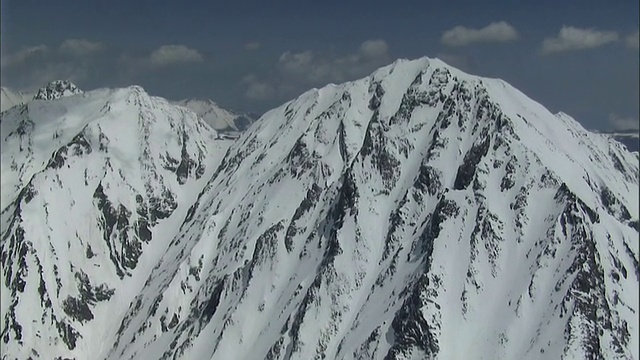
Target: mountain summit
column 418, row 213
column 57, row 89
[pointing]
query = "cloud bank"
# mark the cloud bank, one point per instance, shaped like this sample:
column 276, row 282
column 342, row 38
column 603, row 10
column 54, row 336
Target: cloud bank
column 80, row 47
column 174, row 54
column 295, row 72
column 632, row 40
column 623, row 123
column 493, row 33
column 573, row 39
column 23, row 54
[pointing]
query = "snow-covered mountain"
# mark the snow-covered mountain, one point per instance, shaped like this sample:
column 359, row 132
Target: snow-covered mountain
column 53, row 90
column 420, row 212
column 630, row 138
column 10, row 98
column 57, row 89
column 94, row 187
column 222, row 120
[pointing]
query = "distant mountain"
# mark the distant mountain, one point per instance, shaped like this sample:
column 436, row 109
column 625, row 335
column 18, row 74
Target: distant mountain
column 53, row 90
column 630, row 138
column 222, row 120
column 418, row 213
column 57, row 89
column 228, row 123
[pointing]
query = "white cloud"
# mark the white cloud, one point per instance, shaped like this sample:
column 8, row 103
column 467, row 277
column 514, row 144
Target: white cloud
column 80, row 47
column 252, row 46
column 256, row 89
column 373, row 49
column 42, row 74
column 571, row 39
column 494, row 32
column 23, row 54
column 175, row 54
column 316, row 68
column 623, row 123
column 297, row 63
column 297, row 71
column 633, row 39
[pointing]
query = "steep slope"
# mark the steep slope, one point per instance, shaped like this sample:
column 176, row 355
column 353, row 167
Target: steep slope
column 94, row 187
column 417, row 213
column 10, row 98
column 20, row 159
column 222, row 120
column 420, row 212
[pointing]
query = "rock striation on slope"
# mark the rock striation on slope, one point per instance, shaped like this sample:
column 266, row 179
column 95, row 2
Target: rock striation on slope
column 420, row 212
column 92, row 188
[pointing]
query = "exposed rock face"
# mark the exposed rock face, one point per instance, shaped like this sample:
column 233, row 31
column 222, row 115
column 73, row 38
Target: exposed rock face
column 57, row 89
column 417, row 213
column 92, row 186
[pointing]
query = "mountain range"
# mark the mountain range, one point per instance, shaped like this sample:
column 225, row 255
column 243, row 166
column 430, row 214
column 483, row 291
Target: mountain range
column 629, row 138
column 418, row 213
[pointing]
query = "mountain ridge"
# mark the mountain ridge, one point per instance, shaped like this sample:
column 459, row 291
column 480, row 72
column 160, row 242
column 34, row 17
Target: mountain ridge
column 390, row 217
column 138, row 155
column 414, row 332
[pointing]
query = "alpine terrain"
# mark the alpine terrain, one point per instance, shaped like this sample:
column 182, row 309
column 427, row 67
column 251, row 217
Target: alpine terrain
column 223, row 121
column 630, row 138
column 54, row 90
column 418, row 213
column 10, row 98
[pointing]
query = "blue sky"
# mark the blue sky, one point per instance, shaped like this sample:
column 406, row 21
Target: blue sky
column 580, row 57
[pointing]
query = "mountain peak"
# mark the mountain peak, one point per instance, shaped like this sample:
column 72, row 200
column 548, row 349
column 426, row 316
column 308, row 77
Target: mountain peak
column 387, row 217
column 57, row 89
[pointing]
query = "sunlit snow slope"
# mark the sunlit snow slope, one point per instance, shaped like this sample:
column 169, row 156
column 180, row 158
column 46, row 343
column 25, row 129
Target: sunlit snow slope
column 420, row 212
column 94, row 187
column 10, row 98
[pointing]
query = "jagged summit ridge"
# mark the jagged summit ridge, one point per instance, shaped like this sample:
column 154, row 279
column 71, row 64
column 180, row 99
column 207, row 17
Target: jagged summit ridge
column 385, row 218
column 57, row 89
